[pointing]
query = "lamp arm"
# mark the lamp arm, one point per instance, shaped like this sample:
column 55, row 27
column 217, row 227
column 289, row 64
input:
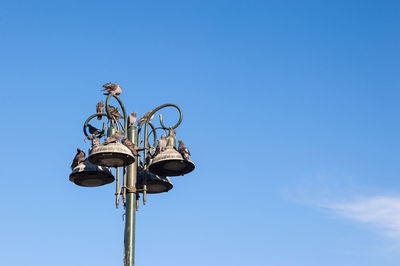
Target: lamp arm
column 146, row 123
column 123, row 110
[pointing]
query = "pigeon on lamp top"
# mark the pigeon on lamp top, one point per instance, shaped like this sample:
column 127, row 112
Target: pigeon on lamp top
column 112, row 88
column 183, row 150
column 114, row 137
column 95, row 140
column 93, row 130
column 100, row 109
column 129, row 144
column 171, row 138
column 132, row 119
column 115, row 112
column 146, row 115
column 161, row 145
column 172, row 132
column 79, row 157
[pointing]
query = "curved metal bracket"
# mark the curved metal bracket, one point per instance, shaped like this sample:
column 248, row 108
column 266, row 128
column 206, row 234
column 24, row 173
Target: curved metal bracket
column 111, row 118
column 123, row 110
column 88, row 120
column 146, row 123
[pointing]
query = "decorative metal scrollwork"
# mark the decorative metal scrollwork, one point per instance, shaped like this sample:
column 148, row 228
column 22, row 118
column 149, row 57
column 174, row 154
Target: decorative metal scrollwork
column 116, row 155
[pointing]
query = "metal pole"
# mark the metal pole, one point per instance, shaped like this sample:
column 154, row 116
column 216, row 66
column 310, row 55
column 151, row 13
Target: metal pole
column 130, row 212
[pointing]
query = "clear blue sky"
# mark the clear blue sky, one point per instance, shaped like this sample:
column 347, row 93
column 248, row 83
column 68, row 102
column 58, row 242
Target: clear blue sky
column 291, row 113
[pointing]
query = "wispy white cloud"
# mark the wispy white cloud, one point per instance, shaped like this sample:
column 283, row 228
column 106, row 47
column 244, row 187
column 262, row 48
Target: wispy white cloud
column 377, row 207
column 382, row 212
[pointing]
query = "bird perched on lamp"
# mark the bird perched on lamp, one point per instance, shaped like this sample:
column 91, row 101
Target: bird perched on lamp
column 95, row 140
column 161, row 145
column 100, row 109
column 132, row 119
column 183, row 150
column 93, row 130
column 115, row 112
column 79, row 157
column 129, row 144
column 145, row 116
column 114, row 137
column 112, row 88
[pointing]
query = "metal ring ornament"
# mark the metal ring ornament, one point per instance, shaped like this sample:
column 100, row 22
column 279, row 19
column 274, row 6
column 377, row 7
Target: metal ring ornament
column 88, row 120
column 154, row 132
column 109, row 116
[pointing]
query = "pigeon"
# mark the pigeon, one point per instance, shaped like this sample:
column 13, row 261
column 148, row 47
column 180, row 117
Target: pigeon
column 115, row 112
column 172, row 132
column 129, row 144
column 93, row 130
column 79, row 157
column 95, row 140
column 171, row 138
column 161, row 145
column 100, row 109
column 132, row 119
column 146, row 115
column 114, row 137
column 183, row 150
column 112, row 88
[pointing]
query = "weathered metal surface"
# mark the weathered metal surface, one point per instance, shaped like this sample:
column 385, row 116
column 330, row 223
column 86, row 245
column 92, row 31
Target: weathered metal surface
column 111, row 155
column 170, row 163
column 87, row 174
column 117, row 188
column 154, row 183
column 129, row 236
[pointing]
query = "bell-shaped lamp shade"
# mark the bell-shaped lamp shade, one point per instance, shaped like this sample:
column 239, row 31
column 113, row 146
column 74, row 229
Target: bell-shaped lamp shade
column 87, row 174
column 111, row 155
column 170, row 163
column 154, row 184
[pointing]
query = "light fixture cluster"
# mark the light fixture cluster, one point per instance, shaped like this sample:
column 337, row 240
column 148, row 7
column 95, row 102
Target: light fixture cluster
column 119, row 145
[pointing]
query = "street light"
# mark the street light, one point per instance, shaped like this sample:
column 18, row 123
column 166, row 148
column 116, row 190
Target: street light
column 146, row 173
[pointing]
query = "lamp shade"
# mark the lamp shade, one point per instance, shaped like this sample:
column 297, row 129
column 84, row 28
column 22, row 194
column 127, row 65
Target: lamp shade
column 154, row 183
column 87, row 174
column 111, row 155
column 170, row 163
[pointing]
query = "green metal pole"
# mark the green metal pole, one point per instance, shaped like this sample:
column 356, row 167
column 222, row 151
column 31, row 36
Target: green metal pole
column 130, row 212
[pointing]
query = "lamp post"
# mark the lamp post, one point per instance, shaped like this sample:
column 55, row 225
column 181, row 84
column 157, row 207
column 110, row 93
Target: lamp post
column 146, row 173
